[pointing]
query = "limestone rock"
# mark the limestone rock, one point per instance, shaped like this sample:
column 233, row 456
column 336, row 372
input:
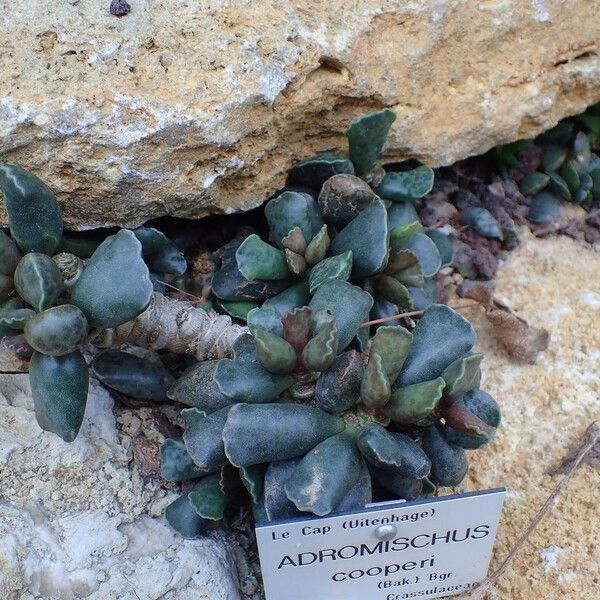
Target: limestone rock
column 78, row 521
column 185, row 108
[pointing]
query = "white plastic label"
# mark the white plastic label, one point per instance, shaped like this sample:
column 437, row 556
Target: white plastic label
column 423, row 549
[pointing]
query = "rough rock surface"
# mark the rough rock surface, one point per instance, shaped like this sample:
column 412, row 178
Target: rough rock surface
column 552, row 283
column 80, row 520
column 184, row 108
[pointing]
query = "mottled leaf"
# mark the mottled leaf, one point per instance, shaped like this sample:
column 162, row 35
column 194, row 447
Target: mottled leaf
column 338, row 387
column 335, row 267
column 315, row 171
column 406, row 185
column 414, row 404
column 160, row 253
column 448, row 463
column 258, row 260
column 38, row 280
column 57, row 331
column 482, row 221
column 175, row 462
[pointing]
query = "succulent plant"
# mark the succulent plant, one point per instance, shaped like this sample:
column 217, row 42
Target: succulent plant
column 313, row 427
column 329, row 224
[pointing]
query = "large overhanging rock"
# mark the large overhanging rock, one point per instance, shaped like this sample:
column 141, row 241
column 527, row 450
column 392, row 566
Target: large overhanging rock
column 186, row 108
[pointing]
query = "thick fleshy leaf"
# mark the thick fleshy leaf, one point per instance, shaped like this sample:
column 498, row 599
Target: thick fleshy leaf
column 426, row 251
column 462, row 375
column 208, row 499
column 335, row 267
column 295, row 296
column 401, row 213
column 581, row 146
column 83, row 247
column 401, row 487
column 182, row 517
column 440, row 337
column 559, row 186
column 349, row 304
column 275, row 502
column 321, row 350
column 424, row 296
column 338, row 387
column 342, row 197
column 314, row 171
column 381, row 309
column 544, row 208
column 411, row 277
column 132, row 375
column 203, row 437
column 376, row 388
column 369, row 251
column 258, row 260
column 533, row 183
column 400, row 235
column 6, row 287
column 9, row 255
column 260, row 433
column 414, row 404
column 160, row 253
column 406, row 185
column 33, row 213
column 15, row 318
column 175, row 462
column 570, row 176
column 38, row 280
column 295, row 262
column 553, row 157
column 360, row 494
column 238, row 310
column 249, row 382
column 366, row 137
column 325, row 475
column 297, row 327
column 253, row 478
column 265, row 318
column 318, row 247
column 230, row 285
column 197, row 387
column 482, row 221
column 379, row 447
column 295, row 241
column 290, row 210
column 444, row 245
column 392, row 344
column 244, row 349
column 59, row 386
column 115, row 285
column 57, row 331
column 415, row 463
column 472, row 420
column 275, row 354
column 448, row 463
column 393, row 291
column 400, row 260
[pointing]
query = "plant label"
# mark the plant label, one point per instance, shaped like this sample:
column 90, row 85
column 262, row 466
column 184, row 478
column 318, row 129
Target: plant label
column 388, row 551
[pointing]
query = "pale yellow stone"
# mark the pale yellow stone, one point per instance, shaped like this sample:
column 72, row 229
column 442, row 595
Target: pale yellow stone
column 188, row 107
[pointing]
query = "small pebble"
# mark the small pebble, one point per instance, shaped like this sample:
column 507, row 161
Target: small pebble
column 119, row 8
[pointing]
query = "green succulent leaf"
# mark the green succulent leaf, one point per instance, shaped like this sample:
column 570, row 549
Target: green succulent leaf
column 553, row 157
column 415, row 404
column 401, row 213
column 376, row 387
column 366, row 137
column 321, row 350
column 533, row 183
column 295, row 241
column 336, row 267
column 182, row 517
column 258, row 260
column 275, row 353
column 401, row 487
column 83, row 247
column 208, row 499
column 318, row 247
column 369, row 252
column 59, row 386
column 462, row 375
column 360, row 494
column 444, row 246
column 570, row 176
column 290, row 210
column 482, row 221
column 448, row 463
column 238, row 310
column 9, row 255
column 338, row 387
column 261, row 433
column 295, row 296
column 160, row 253
column 342, row 198
column 132, row 375
column 349, row 304
column 15, row 318
column 33, row 213
column 249, row 382
column 393, row 345
column 379, row 447
column 581, row 146
column 544, row 208
column 57, row 331
column 400, row 260
column 197, row 387
column 203, row 437
column 426, row 251
column 296, row 327
column 394, row 291
column 6, row 287
column 295, row 262
column 253, row 478
column 559, row 186
column 175, row 462
column 440, row 337
column 109, row 301
column 38, row 280
column 400, row 235
column 275, row 503
column 406, row 185
column 325, row 475
column 265, row 318
column 318, row 169
column 424, row 296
